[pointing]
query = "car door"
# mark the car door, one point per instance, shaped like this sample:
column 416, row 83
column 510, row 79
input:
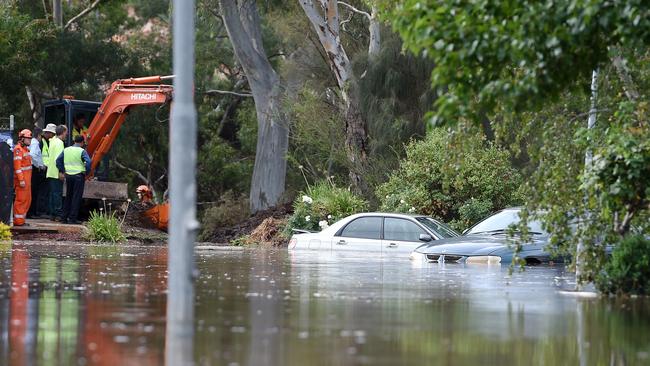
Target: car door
column 401, row 235
column 362, row 234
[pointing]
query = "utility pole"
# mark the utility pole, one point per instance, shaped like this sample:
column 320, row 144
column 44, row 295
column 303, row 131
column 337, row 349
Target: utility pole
column 57, row 13
column 591, row 123
column 182, row 183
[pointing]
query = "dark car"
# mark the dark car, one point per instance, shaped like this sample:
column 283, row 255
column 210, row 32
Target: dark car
column 489, row 242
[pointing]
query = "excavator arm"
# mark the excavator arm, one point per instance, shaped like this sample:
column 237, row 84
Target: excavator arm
column 122, row 95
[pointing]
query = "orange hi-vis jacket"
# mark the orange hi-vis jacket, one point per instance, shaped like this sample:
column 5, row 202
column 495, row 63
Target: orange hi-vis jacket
column 22, row 173
column 22, row 164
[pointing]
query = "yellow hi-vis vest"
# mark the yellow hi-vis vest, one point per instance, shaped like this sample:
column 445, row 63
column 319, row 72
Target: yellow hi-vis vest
column 72, row 160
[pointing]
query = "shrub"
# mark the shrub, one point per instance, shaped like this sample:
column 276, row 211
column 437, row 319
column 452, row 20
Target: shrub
column 5, row 232
column 231, row 210
column 628, row 269
column 104, row 227
column 322, row 205
column 459, row 182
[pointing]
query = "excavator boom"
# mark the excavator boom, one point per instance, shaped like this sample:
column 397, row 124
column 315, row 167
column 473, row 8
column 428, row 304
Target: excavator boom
column 123, row 94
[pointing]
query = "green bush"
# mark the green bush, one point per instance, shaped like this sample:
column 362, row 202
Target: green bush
column 5, row 232
column 104, row 227
column 459, row 182
column 628, row 269
column 321, row 205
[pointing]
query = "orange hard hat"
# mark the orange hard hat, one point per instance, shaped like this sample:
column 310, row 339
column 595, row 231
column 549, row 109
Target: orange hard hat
column 25, row 134
column 142, row 189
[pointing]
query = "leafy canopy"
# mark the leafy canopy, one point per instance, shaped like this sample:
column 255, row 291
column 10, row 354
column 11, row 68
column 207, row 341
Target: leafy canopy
column 516, row 52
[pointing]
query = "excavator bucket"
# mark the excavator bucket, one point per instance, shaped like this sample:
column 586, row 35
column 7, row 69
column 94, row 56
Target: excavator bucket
column 159, row 216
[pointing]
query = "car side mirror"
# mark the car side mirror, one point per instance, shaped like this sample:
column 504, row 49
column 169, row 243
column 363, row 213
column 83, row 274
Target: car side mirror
column 425, row 237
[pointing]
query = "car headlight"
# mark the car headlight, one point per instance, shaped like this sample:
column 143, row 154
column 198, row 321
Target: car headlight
column 418, row 257
column 484, row 259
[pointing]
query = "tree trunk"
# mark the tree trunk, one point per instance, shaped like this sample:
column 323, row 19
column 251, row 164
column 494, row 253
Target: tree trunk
column 375, row 33
column 35, row 106
column 57, row 13
column 326, row 26
column 243, row 26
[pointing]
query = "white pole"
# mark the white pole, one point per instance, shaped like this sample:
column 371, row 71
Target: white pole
column 182, row 184
column 11, row 122
column 591, row 123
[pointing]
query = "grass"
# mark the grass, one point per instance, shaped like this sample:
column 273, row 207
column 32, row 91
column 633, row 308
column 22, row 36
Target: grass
column 103, row 227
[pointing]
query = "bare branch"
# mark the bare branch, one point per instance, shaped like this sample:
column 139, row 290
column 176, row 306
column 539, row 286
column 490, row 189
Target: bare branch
column 215, row 91
column 47, row 14
column 82, row 14
column 364, row 13
column 137, row 173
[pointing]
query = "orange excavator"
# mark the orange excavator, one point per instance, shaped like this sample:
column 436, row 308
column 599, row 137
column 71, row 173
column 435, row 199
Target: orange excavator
column 106, row 119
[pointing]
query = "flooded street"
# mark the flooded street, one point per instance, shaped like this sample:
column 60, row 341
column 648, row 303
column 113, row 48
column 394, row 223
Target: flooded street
column 102, row 305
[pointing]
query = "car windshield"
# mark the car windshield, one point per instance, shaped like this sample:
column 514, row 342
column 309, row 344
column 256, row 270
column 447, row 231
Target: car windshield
column 437, row 227
column 501, row 221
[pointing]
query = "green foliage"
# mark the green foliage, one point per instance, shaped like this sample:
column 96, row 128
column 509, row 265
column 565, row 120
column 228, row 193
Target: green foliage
column 104, row 227
column 609, row 199
column 231, row 210
column 620, row 175
column 456, row 181
column 628, row 270
column 518, row 53
column 321, row 205
column 5, row 232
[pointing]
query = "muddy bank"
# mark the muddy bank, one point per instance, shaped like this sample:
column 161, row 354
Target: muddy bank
column 260, row 227
column 134, row 235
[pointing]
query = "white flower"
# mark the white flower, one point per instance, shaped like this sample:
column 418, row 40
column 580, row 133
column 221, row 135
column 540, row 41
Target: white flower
column 402, row 201
column 307, row 218
column 307, row 199
column 323, row 224
column 412, row 209
column 329, row 217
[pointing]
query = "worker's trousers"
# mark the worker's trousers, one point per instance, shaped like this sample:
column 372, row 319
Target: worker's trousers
column 23, row 199
column 55, row 201
column 39, row 193
column 74, row 185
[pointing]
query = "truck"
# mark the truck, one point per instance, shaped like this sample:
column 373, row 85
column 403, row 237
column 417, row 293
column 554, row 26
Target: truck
column 106, row 119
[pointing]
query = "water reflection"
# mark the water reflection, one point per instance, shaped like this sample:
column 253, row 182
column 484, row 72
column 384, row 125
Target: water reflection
column 66, row 305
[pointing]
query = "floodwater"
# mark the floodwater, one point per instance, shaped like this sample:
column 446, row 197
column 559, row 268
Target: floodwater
column 94, row 305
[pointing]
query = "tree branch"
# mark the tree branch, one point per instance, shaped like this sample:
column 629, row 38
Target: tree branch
column 82, row 14
column 364, row 13
column 216, row 91
column 140, row 175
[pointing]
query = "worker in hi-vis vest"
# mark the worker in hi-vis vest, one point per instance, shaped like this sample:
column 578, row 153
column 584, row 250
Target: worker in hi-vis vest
column 74, row 162
column 23, row 177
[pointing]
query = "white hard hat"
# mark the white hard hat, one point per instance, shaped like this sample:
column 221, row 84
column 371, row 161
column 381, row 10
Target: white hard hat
column 51, row 127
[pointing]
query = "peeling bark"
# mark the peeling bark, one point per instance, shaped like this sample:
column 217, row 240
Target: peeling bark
column 243, row 26
column 326, row 24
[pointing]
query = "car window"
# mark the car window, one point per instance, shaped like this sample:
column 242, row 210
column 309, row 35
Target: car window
column 437, row 227
column 364, row 227
column 401, row 229
column 501, row 221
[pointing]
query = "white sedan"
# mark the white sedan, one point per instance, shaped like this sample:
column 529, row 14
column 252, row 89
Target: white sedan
column 374, row 232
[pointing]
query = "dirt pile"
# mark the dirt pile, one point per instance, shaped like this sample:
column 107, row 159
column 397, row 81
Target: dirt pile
column 269, row 233
column 249, row 226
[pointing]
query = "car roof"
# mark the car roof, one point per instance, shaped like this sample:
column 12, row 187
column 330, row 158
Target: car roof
column 393, row 214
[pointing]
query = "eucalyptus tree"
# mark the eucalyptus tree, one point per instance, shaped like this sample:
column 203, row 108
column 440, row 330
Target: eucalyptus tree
column 243, row 24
